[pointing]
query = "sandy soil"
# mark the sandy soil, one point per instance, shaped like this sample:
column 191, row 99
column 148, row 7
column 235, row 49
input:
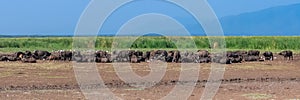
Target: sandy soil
column 279, row 79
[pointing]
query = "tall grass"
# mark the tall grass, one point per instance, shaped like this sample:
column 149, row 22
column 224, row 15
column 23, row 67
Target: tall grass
column 263, row 43
column 58, row 43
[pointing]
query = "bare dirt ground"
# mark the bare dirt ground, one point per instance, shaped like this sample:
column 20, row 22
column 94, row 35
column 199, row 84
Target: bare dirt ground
column 279, row 80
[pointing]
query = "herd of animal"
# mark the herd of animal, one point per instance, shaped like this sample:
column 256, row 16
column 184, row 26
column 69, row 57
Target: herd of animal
column 134, row 56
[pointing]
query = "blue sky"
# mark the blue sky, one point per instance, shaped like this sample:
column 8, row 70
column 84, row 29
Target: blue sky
column 44, row 17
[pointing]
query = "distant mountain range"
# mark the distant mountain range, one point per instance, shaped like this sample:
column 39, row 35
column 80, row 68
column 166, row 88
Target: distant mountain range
column 282, row 20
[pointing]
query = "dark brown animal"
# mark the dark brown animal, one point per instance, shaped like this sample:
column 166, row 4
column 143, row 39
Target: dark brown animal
column 176, row 56
column 54, row 56
column 123, row 56
column 203, row 53
column 134, row 59
column 104, row 60
column 287, row 54
column 252, row 58
column 253, row 53
column 66, row 55
column 225, row 60
column 27, row 54
column 41, row 55
column 29, row 60
column 238, row 59
column 170, row 56
column 3, row 58
column 19, row 55
column 268, row 55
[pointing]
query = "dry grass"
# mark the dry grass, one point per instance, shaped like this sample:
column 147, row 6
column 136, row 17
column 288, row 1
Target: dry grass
column 257, row 96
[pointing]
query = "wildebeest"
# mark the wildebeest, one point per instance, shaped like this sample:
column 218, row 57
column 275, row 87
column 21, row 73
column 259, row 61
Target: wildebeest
column 19, row 55
column 216, row 57
column 76, row 56
column 287, row 54
column 109, row 58
column 189, row 57
column 238, row 59
column 134, row 59
column 29, row 60
column 54, row 56
column 100, row 53
column 268, row 55
column 146, row 55
column 221, row 58
column 8, row 57
column 103, row 60
column 3, row 58
column 88, row 56
column 203, row 53
column 27, row 54
column 136, row 56
column 151, row 55
column 241, row 52
column 158, row 55
column 235, row 54
column 170, row 56
column 138, row 53
column 101, row 56
column 41, row 55
column 66, row 55
column 253, row 53
column 122, row 56
column 251, row 58
column 176, row 56
column 225, row 60
column 12, row 58
column 204, row 60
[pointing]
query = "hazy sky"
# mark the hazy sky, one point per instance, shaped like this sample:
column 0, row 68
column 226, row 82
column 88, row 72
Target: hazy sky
column 61, row 16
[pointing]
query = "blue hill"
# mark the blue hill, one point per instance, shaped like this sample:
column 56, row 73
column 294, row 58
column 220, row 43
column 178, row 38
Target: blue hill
column 282, row 21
